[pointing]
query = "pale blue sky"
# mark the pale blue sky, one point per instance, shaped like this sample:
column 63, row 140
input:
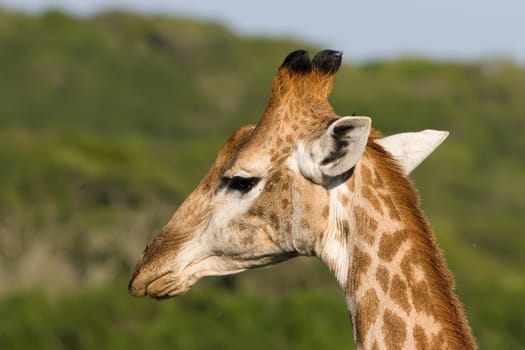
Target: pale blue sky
column 445, row 29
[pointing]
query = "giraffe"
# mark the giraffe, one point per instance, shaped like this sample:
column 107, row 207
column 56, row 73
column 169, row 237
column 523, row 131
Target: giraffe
column 305, row 181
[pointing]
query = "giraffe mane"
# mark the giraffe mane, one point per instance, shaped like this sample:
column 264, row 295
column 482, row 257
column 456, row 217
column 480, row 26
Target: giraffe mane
column 445, row 306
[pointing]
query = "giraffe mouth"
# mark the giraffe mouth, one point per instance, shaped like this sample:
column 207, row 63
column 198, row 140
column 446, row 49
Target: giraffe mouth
column 163, row 286
column 173, row 283
column 170, row 285
column 167, row 285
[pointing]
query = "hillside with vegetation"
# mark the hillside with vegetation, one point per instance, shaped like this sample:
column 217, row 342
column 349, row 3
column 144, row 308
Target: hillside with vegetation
column 108, row 122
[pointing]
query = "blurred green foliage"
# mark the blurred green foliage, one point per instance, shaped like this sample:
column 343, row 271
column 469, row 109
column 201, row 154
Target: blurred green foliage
column 108, row 122
column 204, row 320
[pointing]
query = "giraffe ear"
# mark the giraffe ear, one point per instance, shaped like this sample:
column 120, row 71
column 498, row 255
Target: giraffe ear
column 411, row 148
column 337, row 151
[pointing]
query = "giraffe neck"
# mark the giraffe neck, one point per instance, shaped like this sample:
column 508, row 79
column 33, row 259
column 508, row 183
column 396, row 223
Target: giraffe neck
column 398, row 290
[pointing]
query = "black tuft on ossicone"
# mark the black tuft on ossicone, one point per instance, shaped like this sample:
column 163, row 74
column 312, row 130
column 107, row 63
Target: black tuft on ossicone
column 297, row 62
column 328, row 61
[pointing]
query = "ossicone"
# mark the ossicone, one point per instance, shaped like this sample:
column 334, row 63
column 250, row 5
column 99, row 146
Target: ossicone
column 297, row 62
column 326, row 61
column 300, row 80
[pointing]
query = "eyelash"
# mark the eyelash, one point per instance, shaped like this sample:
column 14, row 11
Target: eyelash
column 242, row 184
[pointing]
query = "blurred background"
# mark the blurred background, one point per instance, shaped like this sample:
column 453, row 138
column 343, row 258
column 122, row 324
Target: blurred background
column 111, row 112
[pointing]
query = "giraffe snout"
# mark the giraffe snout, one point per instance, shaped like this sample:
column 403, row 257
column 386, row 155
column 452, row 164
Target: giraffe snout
column 159, row 271
column 155, row 282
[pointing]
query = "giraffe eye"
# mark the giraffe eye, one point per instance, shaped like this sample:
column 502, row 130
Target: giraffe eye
column 242, row 184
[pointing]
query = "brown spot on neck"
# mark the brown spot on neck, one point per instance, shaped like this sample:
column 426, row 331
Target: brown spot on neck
column 369, row 194
column 366, row 225
column 367, row 312
column 390, row 206
column 360, row 265
column 383, row 277
column 399, row 293
column 366, row 175
column 390, row 244
column 420, row 338
column 394, row 330
column 421, row 298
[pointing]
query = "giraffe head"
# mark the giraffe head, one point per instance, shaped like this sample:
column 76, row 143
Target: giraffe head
column 266, row 195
